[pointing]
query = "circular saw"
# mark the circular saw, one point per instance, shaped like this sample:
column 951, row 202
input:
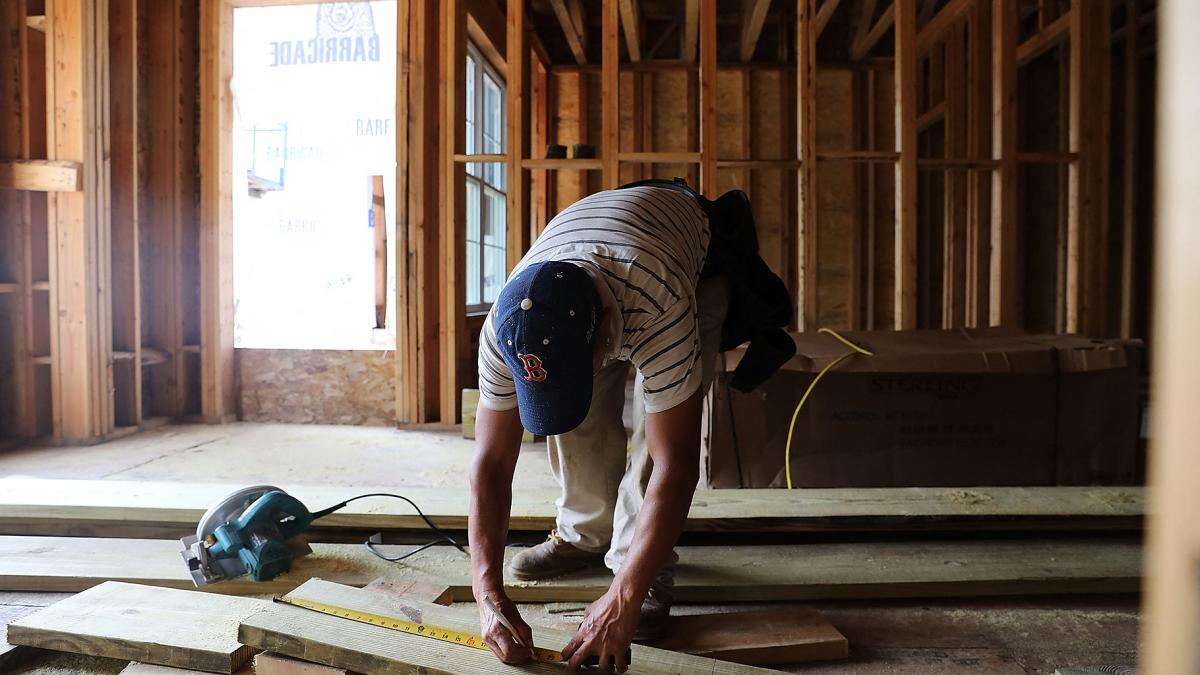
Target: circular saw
column 255, row 530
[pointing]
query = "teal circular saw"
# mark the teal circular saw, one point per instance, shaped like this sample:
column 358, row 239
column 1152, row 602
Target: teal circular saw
column 255, row 531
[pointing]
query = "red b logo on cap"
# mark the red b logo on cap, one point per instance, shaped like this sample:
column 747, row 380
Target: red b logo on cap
column 533, row 367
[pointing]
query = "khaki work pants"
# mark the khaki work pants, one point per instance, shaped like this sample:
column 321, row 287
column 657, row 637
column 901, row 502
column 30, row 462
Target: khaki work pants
column 602, row 485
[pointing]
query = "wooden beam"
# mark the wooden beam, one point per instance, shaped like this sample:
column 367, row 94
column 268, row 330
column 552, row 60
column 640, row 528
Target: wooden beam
column 979, row 133
column 1172, row 605
column 955, row 210
column 754, row 13
column 860, row 48
column 766, row 573
column 517, row 219
column 1044, row 40
column 80, row 332
column 906, row 166
column 631, row 23
column 1129, row 170
column 41, row 175
column 610, row 106
column 708, row 98
column 218, row 386
column 36, row 22
column 1003, row 284
column 862, row 22
column 335, row 641
column 183, row 629
column 806, row 152
column 104, row 507
column 775, row 636
column 487, row 27
column 452, row 338
column 932, row 32
column 824, row 15
column 574, row 39
column 690, row 32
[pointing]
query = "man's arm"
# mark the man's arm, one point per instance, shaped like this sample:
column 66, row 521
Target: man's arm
column 497, row 444
column 673, row 441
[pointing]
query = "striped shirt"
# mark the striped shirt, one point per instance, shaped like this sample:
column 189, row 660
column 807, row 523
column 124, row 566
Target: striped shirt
column 645, row 247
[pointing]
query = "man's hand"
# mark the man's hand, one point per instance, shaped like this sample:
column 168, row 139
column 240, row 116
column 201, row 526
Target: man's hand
column 606, row 632
column 497, row 637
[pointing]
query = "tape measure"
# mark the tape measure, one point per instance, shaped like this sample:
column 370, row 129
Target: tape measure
column 413, row 627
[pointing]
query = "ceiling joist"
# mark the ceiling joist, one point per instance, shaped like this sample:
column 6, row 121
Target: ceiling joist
column 824, row 15
column 861, row 47
column 691, row 30
column 570, row 16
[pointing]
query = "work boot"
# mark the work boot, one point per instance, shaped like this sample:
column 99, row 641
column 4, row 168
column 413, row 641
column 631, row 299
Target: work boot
column 551, row 558
column 656, row 608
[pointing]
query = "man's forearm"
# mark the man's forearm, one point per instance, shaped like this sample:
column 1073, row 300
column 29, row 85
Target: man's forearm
column 499, row 441
column 659, row 522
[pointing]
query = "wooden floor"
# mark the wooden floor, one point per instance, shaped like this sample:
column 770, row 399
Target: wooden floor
column 1002, row 635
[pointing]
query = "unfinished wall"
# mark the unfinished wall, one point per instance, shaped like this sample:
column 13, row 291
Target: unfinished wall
column 317, row 386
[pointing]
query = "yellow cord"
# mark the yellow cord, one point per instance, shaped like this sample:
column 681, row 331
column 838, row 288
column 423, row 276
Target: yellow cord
column 787, row 458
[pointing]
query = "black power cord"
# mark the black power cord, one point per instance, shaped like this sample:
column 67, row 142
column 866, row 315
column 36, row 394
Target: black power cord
column 370, row 545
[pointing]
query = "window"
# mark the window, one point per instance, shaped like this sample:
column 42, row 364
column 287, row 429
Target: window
column 486, row 207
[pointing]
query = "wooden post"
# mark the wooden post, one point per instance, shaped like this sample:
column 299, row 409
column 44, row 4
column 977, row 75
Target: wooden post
column 518, row 227
column 806, row 152
column 405, row 299
column 80, row 329
column 979, row 136
column 539, row 188
column 1172, row 586
column 610, row 111
column 452, row 237
column 906, row 166
column 17, row 402
column 217, row 398
column 126, row 268
column 1129, row 168
column 708, row 98
column 953, row 282
column 1003, row 283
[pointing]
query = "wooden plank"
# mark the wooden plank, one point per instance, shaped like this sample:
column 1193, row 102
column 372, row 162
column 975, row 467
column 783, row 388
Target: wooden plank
column 1129, row 171
column 824, row 15
column 761, row 637
column 379, row 225
column 487, row 28
column 690, row 32
column 955, row 210
column 152, row 625
column 217, row 394
column 862, row 22
column 1003, row 283
column 95, row 508
column 942, row 568
column 708, row 98
column 79, row 229
column 806, row 190
column 1045, row 39
column 452, row 338
column 610, row 110
column 979, row 134
column 340, row 642
column 41, row 175
column 575, row 40
column 860, row 48
column 136, row 668
column 36, row 22
column 933, row 31
column 754, row 14
column 906, row 166
column 185, row 216
column 576, row 164
column 631, row 24
column 267, row 663
column 423, row 591
column 517, row 231
column 1172, row 599
column 126, row 267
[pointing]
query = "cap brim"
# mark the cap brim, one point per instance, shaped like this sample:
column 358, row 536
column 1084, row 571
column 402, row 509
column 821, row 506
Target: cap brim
column 558, row 408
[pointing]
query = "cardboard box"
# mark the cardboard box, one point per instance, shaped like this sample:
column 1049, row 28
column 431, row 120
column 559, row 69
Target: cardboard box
column 935, row 408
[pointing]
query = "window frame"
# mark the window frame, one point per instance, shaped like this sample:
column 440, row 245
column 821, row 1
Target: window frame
column 477, row 172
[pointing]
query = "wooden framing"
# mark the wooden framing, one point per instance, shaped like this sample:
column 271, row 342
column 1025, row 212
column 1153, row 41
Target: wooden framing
column 80, row 331
column 517, row 229
column 935, row 30
column 864, row 42
column 630, row 23
column 955, row 197
column 1003, row 284
column 126, row 267
column 452, row 335
column 754, row 13
column 41, row 175
column 806, row 152
column 1129, row 170
column 610, row 93
column 690, row 31
column 905, row 287
column 217, row 398
column 979, row 134
column 569, row 15
column 708, row 98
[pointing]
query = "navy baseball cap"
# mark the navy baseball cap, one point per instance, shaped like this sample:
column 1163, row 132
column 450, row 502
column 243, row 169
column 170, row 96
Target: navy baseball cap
column 546, row 319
